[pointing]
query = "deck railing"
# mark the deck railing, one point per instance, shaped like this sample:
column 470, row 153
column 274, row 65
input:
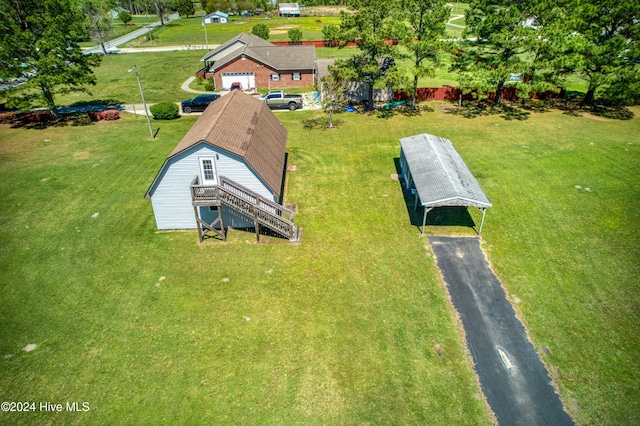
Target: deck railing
column 242, row 199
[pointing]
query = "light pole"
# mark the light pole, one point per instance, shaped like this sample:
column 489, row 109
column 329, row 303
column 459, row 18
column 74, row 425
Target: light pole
column 206, row 39
column 146, row 112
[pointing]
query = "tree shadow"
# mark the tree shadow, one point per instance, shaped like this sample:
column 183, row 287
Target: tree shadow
column 487, row 108
column 104, row 103
column 571, row 104
column 613, row 112
column 404, row 110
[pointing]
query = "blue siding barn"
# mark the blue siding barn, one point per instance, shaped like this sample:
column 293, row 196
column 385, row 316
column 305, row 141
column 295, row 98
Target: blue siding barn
column 227, row 171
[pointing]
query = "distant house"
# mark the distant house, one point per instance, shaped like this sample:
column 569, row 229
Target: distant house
column 216, row 18
column 255, row 62
column 227, row 171
column 289, row 9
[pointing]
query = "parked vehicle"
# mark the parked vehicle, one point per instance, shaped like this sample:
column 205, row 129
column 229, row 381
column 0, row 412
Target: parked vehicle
column 236, row 86
column 199, row 103
column 279, row 99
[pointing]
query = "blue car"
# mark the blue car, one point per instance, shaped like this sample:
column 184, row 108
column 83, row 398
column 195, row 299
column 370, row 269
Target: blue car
column 198, row 104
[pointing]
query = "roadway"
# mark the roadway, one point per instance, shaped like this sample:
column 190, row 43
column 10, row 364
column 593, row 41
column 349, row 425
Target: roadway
column 112, row 44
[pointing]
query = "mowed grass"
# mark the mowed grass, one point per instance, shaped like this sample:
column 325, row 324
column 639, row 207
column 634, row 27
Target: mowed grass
column 161, row 75
column 155, row 328
column 190, row 30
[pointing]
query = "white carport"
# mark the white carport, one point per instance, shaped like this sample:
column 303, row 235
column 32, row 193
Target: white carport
column 433, row 170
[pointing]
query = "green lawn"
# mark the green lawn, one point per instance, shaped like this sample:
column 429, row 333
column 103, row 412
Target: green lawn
column 161, row 74
column 190, row 30
column 154, row 328
column 118, row 29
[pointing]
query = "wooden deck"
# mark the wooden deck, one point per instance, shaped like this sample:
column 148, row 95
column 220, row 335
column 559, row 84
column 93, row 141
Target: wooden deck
column 241, row 199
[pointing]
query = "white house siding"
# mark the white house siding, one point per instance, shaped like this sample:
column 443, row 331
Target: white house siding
column 171, row 197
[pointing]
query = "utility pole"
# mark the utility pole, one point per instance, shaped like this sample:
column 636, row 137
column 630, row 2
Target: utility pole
column 206, row 39
column 146, row 111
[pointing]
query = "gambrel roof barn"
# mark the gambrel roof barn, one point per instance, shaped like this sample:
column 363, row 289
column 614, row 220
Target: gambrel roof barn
column 228, row 170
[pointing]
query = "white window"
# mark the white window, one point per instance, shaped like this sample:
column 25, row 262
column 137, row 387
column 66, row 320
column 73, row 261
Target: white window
column 296, row 76
column 208, row 171
column 275, row 77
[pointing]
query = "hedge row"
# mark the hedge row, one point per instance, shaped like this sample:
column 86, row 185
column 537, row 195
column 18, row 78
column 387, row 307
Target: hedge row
column 40, row 117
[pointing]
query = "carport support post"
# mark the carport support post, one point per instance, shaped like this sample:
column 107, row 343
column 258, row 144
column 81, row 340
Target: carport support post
column 424, row 218
column 484, row 211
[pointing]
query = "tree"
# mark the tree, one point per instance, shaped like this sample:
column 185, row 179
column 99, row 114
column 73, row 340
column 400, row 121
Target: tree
column 161, row 7
column 217, row 5
column 249, row 6
column 334, row 89
column 185, row 8
column 331, row 35
column 371, row 26
column 422, row 36
column 125, row 17
column 38, row 44
column 295, row 35
column 260, row 30
column 496, row 45
column 98, row 20
column 604, row 45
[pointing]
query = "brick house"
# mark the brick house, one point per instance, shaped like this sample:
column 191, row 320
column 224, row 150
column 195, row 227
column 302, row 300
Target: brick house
column 256, row 63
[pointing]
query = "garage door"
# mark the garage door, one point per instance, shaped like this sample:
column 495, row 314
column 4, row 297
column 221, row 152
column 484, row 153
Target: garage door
column 247, row 79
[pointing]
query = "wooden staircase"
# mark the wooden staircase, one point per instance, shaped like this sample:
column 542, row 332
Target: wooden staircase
column 263, row 211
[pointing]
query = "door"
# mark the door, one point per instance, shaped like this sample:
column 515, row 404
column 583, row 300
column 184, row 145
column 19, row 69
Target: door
column 208, row 171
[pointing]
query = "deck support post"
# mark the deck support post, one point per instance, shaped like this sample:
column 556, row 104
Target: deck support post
column 200, row 235
column 222, row 230
column 257, row 224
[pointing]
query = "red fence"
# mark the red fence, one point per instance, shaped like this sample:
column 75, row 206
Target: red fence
column 316, row 43
column 448, row 93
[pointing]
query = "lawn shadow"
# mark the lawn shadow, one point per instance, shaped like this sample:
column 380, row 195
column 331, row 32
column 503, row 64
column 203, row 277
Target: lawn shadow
column 104, row 103
column 613, row 112
column 401, row 110
column 487, row 108
column 571, row 104
column 438, row 216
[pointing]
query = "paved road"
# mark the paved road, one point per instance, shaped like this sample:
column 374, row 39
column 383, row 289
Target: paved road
column 513, row 379
column 111, row 44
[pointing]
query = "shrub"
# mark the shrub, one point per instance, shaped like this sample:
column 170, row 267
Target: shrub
column 35, row 117
column 94, row 115
column 82, row 120
column 209, row 85
column 165, row 111
column 110, row 114
column 7, row 117
column 260, row 30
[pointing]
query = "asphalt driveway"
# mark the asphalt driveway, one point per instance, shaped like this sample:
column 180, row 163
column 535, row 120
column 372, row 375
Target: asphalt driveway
column 513, row 379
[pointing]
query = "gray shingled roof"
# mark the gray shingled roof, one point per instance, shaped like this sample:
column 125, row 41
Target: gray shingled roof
column 246, row 39
column 281, row 58
column 244, row 126
column 440, row 175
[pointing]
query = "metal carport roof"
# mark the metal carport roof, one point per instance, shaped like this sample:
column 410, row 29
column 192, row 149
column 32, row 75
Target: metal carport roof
column 432, row 166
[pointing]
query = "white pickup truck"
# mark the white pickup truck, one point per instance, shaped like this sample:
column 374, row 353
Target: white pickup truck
column 279, row 99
